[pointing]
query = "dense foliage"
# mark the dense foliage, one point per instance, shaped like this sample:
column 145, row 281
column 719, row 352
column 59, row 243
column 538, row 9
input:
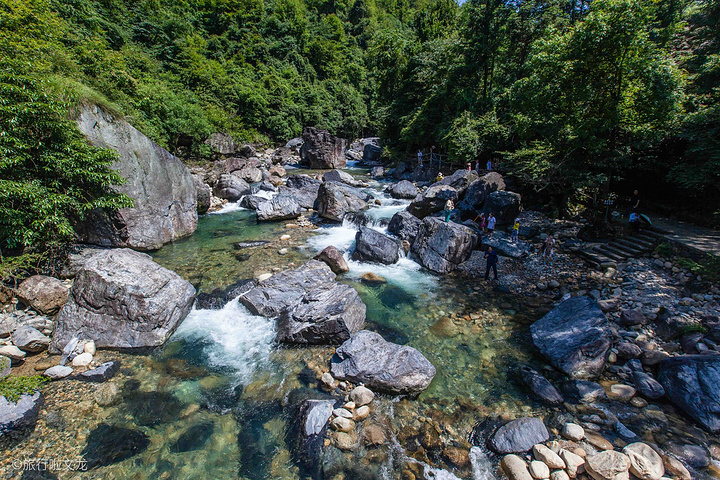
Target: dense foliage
column 571, row 96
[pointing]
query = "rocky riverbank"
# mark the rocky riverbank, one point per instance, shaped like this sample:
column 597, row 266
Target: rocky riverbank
column 616, row 372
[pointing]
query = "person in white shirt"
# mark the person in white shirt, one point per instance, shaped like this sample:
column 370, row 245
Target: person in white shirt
column 491, row 224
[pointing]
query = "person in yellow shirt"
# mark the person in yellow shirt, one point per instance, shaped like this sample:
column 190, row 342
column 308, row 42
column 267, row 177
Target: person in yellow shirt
column 515, row 231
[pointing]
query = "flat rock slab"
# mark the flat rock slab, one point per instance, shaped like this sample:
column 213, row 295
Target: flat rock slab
column 519, row 436
column 575, row 337
column 100, row 374
column 692, row 382
column 123, row 299
column 381, row 365
column 57, row 372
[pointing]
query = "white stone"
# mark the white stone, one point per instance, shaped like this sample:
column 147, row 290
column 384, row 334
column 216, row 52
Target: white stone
column 283, row 251
column 539, row 470
column 285, row 237
column 349, row 406
column 341, row 412
column 573, row 431
column 362, row 413
column 328, row 379
column 548, row 457
column 264, row 276
column 82, row 360
column 645, row 463
column 12, row 352
column 57, row 372
column 573, row 463
column 89, row 347
column 342, row 424
column 559, row 475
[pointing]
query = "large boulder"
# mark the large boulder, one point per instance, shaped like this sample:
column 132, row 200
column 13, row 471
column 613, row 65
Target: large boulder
column 372, row 151
column 504, row 205
column 478, row 191
column 373, row 246
column 231, row 187
column 692, row 382
column 281, row 207
column 122, row 299
column 285, row 289
column 334, row 200
column 163, row 190
column 221, row 143
column 17, row 419
column 432, row 200
column 575, row 337
column 442, row 246
column 326, row 315
column 460, row 180
column 44, row 294
column 321, row 149
column 403, row 189
column 204, row 195
column 304, row 188
column 404, row 225
column 519, row 436
column 381, row 365
column 244, row 168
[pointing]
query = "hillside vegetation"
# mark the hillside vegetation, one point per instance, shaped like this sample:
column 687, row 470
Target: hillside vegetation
column 568, row 94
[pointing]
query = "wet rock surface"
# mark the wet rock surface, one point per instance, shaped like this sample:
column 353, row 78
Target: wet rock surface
column 373, row 246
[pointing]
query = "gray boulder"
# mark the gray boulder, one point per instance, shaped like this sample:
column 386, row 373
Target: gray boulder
column 575, row 337
column 647, row 386
column 403, row 189
column 478, row 191
column 285, row 289
column 304, row 188
column 123, row 299
column 404, row 225
column 334, row 200
column 460, row 180
column 373, row 246
column 540, row 386
column 100, row 374
column 314, row 416
column 204, row 194
column 321, row 149
column 341, row 177
column 163, row 189
column 251, row 202
column 441, row 246
column 377, row 172
column 281, row 207
column 519, row 436
column 382, row 366
column 231, row 187
column 18, row 419
column 692, row 382
column 432, row 200
column 504, row 205
column 372, row 151
column 326, row 315
column 44, row 294
column 29, row 339
column 334, row 259
column 501, row 243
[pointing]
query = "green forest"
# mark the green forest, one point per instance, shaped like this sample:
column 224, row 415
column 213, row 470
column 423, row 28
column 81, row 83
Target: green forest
column 566, row 94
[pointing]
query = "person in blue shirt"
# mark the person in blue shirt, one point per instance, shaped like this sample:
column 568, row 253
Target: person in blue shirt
column 492, row 260
column 489, row 165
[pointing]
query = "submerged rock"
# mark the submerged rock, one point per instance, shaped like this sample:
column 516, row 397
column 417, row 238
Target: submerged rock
column 152, row 408
column 373, row 246
column 575, row 337
column 109, row 444
column 122, row 299
column 17, row 419
column 540, row 386
column 314, row 416
column 194, row 438
column 692, row 382
column 442, row 246
column 519, row 436
column 383, row 366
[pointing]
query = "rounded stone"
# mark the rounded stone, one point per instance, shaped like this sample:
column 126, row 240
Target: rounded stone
column 82, row 360
column 539, row 470
column 342, row 424
column 514, row 468
column 373, row 435
column 362, row 395
column 645, row 463
column 621, row 392
column 548, row 457
column 608, row 465
column 361, row 413
column 573, row 431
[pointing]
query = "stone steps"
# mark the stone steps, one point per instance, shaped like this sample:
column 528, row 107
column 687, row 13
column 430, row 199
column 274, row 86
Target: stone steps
column 620, row 249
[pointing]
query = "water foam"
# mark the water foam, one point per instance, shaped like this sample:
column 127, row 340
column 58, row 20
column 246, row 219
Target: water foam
column 231, row 339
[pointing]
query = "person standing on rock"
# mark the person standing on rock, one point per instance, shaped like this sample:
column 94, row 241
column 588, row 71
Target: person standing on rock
column 548, row 249
column 477, row 167
column 489, row 166
column 420, row 158
column 492, row 260
column 491, row 221
column 439, row 177
column 449, row 207
column 515, row 231
column 482, row 222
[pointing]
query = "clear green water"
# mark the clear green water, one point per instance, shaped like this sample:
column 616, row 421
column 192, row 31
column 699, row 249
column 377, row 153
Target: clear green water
column 222, row 375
